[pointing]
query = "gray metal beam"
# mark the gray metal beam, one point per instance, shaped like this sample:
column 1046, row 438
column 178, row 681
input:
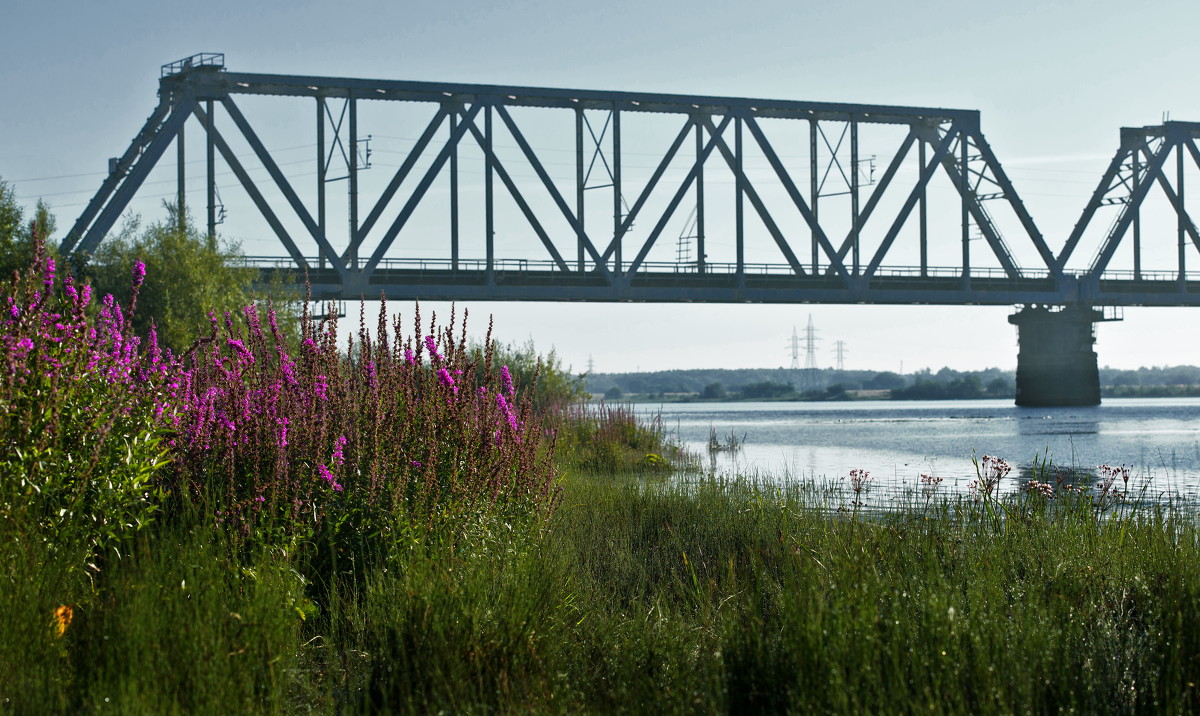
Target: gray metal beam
column 404, row 90
column 145, row 161
column 252, row 189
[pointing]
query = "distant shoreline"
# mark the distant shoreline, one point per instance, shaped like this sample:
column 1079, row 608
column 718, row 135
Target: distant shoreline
column 849, row 396
column 820, row 385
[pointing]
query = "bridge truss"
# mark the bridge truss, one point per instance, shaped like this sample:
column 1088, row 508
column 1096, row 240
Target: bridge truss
column 762, row 225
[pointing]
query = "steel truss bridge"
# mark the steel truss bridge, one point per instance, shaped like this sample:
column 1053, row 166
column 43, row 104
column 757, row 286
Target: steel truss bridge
column 844, row 254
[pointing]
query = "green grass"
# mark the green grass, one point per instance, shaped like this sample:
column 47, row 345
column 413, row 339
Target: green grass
column 638, row 596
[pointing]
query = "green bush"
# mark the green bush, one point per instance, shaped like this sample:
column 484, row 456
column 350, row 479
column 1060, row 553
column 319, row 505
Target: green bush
column 80, row 411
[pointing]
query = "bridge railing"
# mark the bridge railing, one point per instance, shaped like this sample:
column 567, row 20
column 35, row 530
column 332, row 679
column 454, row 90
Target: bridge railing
column 1148, row 276
column 202, row 59
column 647, row 267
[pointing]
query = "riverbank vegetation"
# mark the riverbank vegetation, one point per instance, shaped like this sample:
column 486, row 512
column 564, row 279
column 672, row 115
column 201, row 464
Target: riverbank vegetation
column 406, row 524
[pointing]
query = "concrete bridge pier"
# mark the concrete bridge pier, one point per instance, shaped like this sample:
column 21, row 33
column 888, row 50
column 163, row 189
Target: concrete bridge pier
column 1056, row 361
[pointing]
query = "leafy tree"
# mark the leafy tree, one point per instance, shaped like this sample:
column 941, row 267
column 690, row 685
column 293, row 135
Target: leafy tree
column 714, row 391
column 17, row 238
column 767, row 389
column 886, row 380
column 188, row 275
column 614, row 393
column 1000, row 387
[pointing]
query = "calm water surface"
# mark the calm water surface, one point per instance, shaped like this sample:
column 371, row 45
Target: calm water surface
column 897, row 441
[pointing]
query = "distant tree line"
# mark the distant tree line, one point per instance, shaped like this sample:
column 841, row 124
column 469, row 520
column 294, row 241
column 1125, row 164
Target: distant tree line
column 786, row 384
column 829, row 384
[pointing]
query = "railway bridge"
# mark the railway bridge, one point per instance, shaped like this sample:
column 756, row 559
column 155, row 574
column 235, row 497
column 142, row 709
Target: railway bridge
column 519, row 193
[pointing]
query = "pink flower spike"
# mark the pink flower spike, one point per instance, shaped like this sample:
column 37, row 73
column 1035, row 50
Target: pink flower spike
column 506, row 382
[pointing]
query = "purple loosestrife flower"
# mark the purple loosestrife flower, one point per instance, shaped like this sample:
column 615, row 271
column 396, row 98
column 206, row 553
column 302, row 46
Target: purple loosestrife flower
column 48, row 277
column 23, row 347
column 444, row 378
column 321, row 387
column 240, row 348
column 288, row 367
column 508, row 413
column 328, row 477
column 139, row 274
column 506, row 382
column 431, row 346
column 409, row 356
column 339, row 446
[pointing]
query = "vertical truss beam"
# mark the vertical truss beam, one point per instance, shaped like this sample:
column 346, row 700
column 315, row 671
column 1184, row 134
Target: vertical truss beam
column 210, row 172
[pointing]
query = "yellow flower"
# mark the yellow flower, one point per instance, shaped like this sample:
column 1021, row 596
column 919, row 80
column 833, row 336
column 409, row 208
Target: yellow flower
column 62, row 619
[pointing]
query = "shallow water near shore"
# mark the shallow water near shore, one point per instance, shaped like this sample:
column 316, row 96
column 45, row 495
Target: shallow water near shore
column 1158, row 438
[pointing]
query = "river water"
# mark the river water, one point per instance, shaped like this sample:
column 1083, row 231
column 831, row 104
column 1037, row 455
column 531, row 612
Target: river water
column 897, row 441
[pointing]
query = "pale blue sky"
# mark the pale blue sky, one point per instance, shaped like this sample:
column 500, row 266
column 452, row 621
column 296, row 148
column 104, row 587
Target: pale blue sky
column 1054, row 82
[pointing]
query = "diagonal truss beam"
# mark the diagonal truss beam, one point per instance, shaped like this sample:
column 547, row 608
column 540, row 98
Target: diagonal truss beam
column 145, row 161
column 959, row 177
column 794, row 193
column 1153, row 170
column 402, row 173
column 419, row 191
column 877, row 194
column 714, row 139
column 1010, row 193
column 731, row 158
column 1177, row 203
column 281, row 183
column 1097, row 200
column 555, row 194
column 252, row 190
column 941, row 150
column 638, row 203
column 113, row 180
column 1153, row 174
column 517, row 196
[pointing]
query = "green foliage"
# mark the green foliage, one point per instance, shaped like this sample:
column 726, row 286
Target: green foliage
column 767, row 390
column 608, row 439
column 639, row 596
column 18, row 238
column 540, row 378
column 80, row 440
column 714, row 391
column 188, row 274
